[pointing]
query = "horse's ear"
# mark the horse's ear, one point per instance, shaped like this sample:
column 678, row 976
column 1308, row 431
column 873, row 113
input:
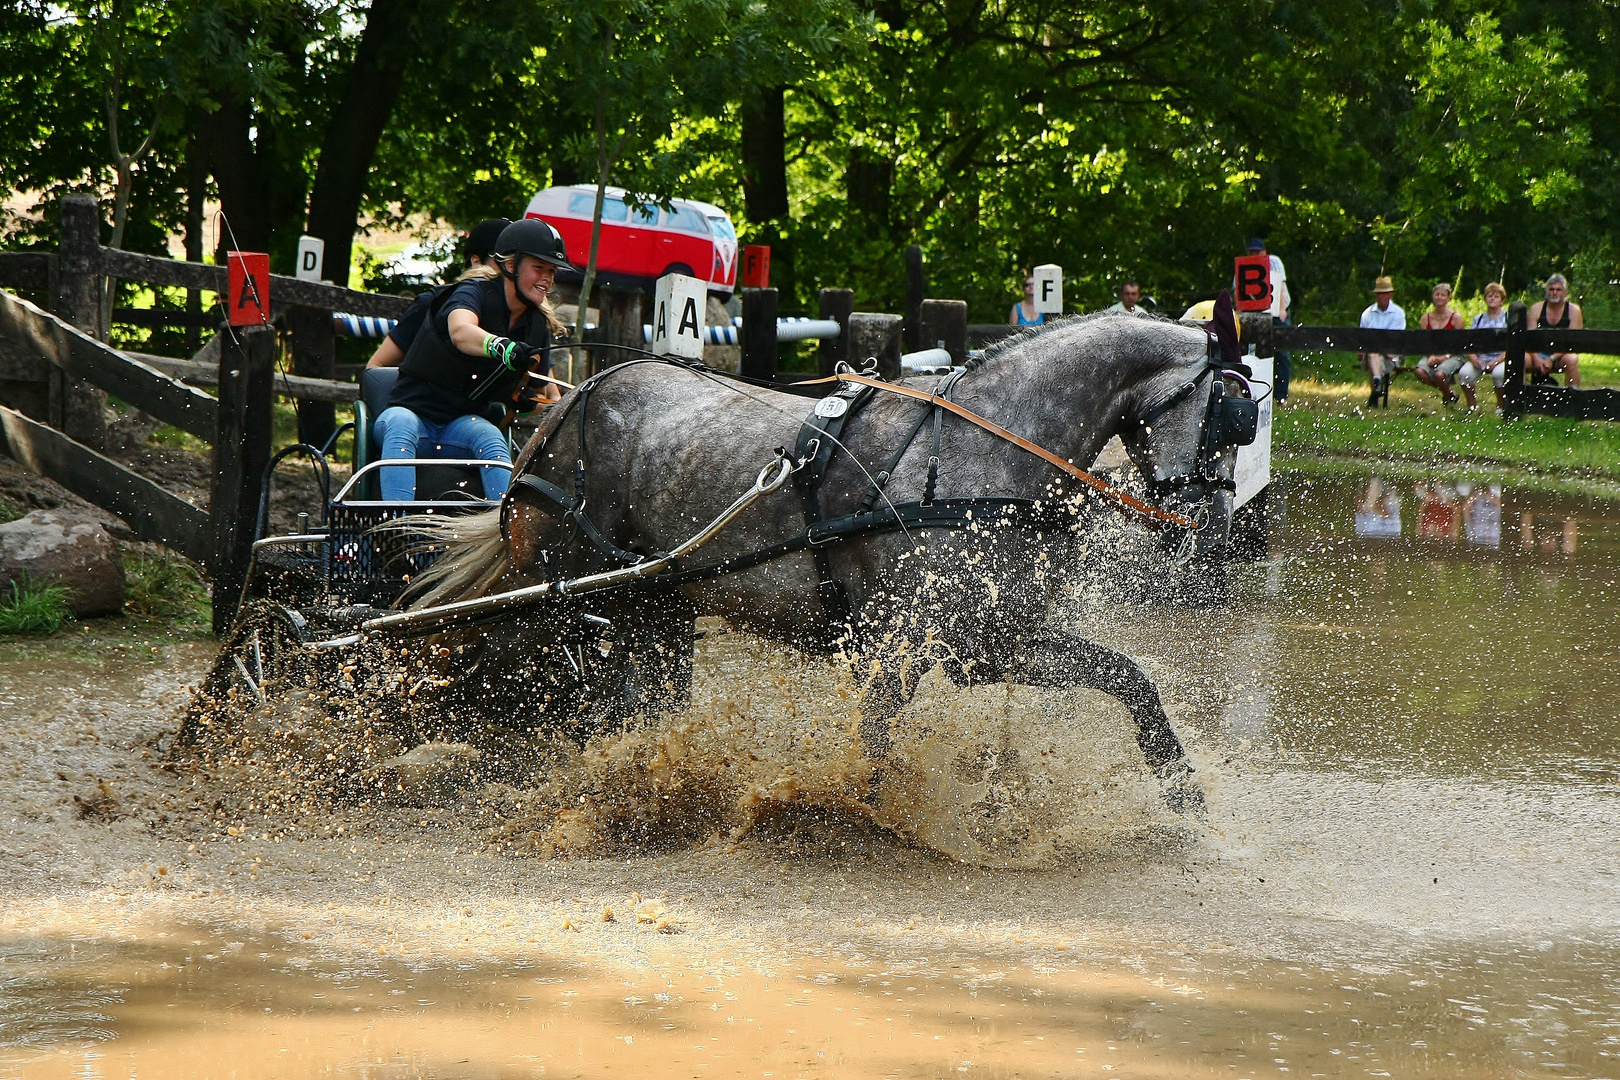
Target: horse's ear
column 1224, row 325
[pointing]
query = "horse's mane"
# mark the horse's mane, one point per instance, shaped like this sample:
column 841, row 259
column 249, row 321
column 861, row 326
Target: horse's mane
column 998, row 350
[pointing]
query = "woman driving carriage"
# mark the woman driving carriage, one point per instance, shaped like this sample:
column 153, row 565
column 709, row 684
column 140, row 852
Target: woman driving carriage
column 470, row 357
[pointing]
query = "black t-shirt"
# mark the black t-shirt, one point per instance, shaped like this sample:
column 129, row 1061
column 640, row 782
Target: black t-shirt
column 404, row 331
column 486, row 297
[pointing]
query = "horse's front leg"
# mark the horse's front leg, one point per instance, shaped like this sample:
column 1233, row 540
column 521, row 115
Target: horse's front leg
column 1063, row 660
column 891, row 684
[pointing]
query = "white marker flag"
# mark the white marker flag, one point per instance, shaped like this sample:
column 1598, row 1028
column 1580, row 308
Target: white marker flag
column 311, row 253
column 1048, row 289
column 678, row 316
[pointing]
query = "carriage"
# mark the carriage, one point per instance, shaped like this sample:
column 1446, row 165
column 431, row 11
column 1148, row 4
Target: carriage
column 825, row 518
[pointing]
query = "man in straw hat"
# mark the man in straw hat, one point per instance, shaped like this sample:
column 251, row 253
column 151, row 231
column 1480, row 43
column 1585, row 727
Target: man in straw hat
column 1382, row 314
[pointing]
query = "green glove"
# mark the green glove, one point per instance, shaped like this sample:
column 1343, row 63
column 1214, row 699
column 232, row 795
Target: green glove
column 505, row 350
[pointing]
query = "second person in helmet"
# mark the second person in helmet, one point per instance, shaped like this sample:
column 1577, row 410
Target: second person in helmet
column 469, row 357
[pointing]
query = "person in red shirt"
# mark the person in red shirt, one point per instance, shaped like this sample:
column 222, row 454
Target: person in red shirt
column 1439, row 369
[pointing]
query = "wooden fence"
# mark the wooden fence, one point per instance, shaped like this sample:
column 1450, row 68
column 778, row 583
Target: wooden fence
column 1518, row 397
column 55, row 371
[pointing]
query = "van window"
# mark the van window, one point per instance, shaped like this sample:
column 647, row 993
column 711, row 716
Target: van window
column 722, row 228
column 582, row 204
column 686, row 219
column 646, row 215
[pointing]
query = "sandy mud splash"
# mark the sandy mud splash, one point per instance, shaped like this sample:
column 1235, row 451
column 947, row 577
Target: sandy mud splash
column 1405, row 729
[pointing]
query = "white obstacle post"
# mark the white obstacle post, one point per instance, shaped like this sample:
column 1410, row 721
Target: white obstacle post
column 1048, row 289
column 678, row 316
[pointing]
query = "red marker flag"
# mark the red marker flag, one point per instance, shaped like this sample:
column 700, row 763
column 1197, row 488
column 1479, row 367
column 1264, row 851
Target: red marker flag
column 1253, row 279
column 756, row 266
column 248, row 300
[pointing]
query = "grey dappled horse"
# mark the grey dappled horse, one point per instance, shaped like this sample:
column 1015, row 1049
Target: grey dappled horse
column 667, row 449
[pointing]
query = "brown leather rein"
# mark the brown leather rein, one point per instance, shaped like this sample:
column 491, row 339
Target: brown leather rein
column 1152, row 515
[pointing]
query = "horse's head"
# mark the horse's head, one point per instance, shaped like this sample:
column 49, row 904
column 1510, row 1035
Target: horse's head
column 1182, row 426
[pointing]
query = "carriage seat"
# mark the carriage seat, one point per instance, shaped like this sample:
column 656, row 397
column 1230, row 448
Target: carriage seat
column 434, row 483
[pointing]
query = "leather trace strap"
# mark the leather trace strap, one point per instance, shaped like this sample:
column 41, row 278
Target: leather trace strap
column 1149, row 513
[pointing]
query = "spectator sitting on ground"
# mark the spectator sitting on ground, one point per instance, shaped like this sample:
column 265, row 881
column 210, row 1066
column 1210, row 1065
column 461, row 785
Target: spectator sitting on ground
column 1437, row 370
column 1023, row 313
column 1560, row 312
column 1382, row 314
column 1492, row 318
column 1130, row 293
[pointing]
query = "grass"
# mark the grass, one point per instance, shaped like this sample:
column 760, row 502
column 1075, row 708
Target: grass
column 164, row 587
column 1326, row 414
column 34, row 609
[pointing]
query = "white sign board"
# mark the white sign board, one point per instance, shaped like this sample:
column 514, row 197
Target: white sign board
column 1048, row 289
column 679, row 304
column 1253, row 467
column 311, row 254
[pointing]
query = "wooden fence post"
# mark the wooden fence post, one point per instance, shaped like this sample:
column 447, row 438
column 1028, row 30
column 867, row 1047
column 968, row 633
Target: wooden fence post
column 621, row 325
column 942, row 324
column 916, row 286
column 314, row 349
column 836, row 304
column 77, row 407
column 758, row 333
column 1513, row 384
column 241, row 452
column 876, row 337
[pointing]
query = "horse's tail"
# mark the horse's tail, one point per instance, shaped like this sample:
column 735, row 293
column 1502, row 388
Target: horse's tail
column 473, row 561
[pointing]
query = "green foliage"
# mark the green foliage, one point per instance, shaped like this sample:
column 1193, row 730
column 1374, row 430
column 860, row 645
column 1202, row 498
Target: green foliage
column 165, row 587
column 34, row 609
column 1114, row 138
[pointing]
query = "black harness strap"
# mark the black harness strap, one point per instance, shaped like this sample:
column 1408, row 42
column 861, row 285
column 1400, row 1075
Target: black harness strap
column 942, row 389
column 933, row 458
column 875, row 492
column 573, row 511
column 953, row 514
column 815, row 448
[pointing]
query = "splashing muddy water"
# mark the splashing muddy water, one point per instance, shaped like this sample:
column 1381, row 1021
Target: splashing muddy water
column 1407, row 738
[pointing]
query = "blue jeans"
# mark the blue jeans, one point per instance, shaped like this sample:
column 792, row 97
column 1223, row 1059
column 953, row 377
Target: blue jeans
column 403, row 434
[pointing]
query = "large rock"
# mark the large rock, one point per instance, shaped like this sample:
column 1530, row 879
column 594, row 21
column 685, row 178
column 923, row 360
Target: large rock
column 50, row 547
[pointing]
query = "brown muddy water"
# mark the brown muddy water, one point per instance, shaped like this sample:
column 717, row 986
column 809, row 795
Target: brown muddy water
column 1405, row 723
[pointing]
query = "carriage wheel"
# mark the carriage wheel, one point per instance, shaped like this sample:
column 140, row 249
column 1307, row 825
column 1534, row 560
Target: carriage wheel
column 263, row 655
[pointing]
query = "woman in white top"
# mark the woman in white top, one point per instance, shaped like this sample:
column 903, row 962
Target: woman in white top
column 1492, row 318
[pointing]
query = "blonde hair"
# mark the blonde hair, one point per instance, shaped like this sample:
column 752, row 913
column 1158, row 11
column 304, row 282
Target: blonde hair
column 489, row 272
column 1497, row 287
column 1446, row 285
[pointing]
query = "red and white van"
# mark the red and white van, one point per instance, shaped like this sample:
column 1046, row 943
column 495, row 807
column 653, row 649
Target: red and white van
column 640, row 246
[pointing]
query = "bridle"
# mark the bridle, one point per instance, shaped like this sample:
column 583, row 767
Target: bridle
column 1227, row 421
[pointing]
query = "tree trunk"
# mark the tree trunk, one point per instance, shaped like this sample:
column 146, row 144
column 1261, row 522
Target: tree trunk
column 196, row 196
column 764, row 156
column 355, row 126
column 243, row 189
column 868, row 184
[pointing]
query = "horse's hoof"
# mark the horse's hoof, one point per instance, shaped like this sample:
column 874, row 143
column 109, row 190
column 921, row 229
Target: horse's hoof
column 875, row 741
column 1181, row 795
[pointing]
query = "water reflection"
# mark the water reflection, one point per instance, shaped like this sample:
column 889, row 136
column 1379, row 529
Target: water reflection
column 1428, row 645
column 1482, row 514
column 1450, row 511
column 1379, row 512
column 1549, row 533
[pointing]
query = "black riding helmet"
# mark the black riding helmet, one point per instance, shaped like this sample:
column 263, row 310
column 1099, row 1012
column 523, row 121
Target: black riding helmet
column 532, row 236
column 485, row 237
